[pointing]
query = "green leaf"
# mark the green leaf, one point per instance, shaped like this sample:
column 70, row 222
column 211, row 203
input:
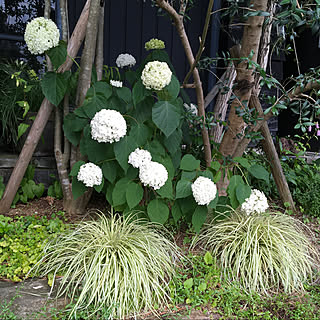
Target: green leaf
column 141, row 133
column 118, row 104
column 217, row 177
column 173, row 142
column 97, row 98
column 176, row 212
column 166, row 117
column 202, row 287
column 233, row 183
column 166, row 191
column 73, row 123
column 99, row 187
column 122, row 149
column 38, row 190
column 207, row 173
column 243, row 161
column 243, row 192
column 22, row 128
column 189, row 163
column 188, row 284
column 155, row 148
column 173, row 88
column 139, row 92
column 215, row 165
column 119, row 192
column 208, row 259
column 183, row 189
column 78, row 188
column 158, row 211
column 214, row 202
column 109, row 170
column 199, row 217
column 58, row 54
column 134, row 194
column 259, row 172
column 98, row 151
column 124, row 93
column 54, row 86
column 143, row 110
column 75, row 168
column 186, row 175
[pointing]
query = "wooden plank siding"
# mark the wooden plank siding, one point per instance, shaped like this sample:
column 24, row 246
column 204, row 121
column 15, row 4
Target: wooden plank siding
column 130, row 23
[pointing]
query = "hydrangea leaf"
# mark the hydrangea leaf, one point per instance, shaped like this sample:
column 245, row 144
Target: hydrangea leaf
column 243, row 192
column 207, row 173
column 134, row 194
column 172, row 90
column 158, row 211
column 143, row 110
column 75, row 168
column 124, row 93
column 122, row 149
column 58, row 54
column 189, row 163
column 214, row 202
column 99, row 151
column 119, row 192
column 173, row 142
column 78, row 188
column 54, row 86
column 100, row 186
column 166, row 117
column 183, row 189
column 109, row 170
column 259, row 172
column 166, row 191
column 199, row 217
column 233, row 183
column 141, row 133
column 176, row 212
column 139, row 92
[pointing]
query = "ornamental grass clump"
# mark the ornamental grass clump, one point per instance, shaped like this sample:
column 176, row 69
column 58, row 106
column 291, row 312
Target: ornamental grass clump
column 263, row 252
column 118, row 263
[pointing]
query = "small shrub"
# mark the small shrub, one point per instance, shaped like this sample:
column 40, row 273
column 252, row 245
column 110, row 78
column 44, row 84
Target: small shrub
column 118, row 263
column 262, row 252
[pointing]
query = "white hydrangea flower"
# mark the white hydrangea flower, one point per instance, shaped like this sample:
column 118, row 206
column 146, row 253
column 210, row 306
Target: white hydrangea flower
column 90, row 174
column 192, row 108
column 139, row 157
column 256, row 203
column 156, row 75
column 125, row 60
column 204, row 190
column 116, row 83
column 41, row 34
column 154, row 44
column 153, row 174
column 108, row 126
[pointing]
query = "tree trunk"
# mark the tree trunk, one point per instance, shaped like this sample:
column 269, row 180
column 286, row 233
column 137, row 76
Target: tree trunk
column 41, row 119
column 99, row 50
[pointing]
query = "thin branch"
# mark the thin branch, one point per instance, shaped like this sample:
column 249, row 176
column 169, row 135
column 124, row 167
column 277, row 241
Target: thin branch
column 202, row 42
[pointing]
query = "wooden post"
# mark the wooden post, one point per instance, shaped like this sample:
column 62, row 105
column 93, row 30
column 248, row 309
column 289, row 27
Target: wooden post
column 42, row 117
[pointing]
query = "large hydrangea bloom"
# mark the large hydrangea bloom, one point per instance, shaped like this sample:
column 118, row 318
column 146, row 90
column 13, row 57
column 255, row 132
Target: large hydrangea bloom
column 90, row 174
column 153, row 174
column 41, row 34
column 108, row 126
column 156, row 75
column 139, row 157
column 203, row 190
column 256, row 203
column 125, row 60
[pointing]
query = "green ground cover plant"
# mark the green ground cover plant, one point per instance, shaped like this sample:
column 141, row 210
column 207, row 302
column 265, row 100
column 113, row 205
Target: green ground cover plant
column 22, row 240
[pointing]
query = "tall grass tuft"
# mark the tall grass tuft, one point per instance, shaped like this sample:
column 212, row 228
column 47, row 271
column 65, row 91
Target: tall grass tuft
column 118, row 263
column 263, row 252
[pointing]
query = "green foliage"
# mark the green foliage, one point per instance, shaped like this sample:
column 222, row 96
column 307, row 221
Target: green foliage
column 269, row 251
column 55, row 189
column 28, row 188
column 120, row 264
column 21, row 243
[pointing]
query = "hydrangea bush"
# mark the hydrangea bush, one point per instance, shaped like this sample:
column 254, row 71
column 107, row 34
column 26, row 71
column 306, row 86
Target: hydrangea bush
column 132, row 130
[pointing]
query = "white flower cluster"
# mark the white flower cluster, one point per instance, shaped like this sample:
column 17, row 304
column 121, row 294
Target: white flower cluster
column 256, row 203
column 116, row 83
column 151, row 173
column 192, row 108
column 156, row 75
column 203, row 190
column 154, row 44
column 108, row 126
column 125, row 60
column 139, row 157
column 90, row 174
column 41, row 34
